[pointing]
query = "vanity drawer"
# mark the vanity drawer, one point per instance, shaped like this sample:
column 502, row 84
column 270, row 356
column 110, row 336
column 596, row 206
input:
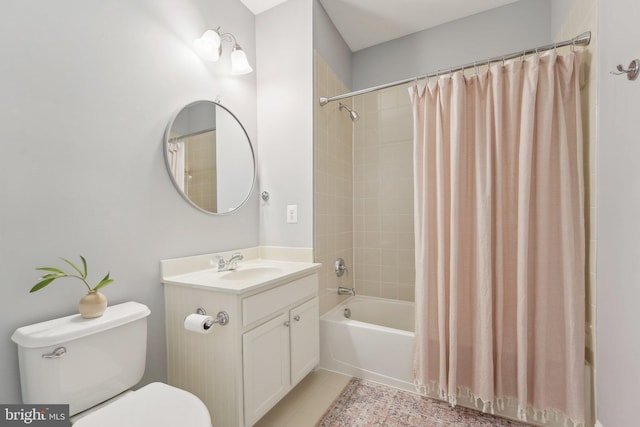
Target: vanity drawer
column 269, row 302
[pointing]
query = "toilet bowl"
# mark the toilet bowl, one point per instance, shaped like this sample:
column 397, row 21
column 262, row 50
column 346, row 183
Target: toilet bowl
column 156, row 404
column 91, row 364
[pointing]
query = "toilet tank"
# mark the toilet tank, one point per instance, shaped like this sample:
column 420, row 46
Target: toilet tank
column 80, row 361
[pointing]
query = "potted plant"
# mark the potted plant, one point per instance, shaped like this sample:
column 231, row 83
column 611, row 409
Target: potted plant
column 91, row 305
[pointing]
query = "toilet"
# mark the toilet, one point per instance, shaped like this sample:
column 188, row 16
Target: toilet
column 91, row 364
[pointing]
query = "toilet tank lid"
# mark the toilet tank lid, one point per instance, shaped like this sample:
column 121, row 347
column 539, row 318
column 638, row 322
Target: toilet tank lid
column 64, row 329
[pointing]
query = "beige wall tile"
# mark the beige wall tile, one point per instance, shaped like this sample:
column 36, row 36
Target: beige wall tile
column 383, row 179
column 334, row 207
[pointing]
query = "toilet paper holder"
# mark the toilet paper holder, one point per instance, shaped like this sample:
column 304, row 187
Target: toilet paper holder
column 221, row 319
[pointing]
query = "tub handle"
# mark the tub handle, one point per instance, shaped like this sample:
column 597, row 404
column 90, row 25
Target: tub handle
column 340, row 267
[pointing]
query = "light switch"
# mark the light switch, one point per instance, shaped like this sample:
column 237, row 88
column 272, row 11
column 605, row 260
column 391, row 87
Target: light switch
column 292, row 214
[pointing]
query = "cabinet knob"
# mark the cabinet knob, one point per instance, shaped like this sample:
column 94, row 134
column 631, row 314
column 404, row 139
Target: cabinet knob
column 286, row 324
column 296, row 318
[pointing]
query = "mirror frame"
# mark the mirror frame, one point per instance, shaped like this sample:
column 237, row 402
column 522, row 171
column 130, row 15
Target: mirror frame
column 184, row 195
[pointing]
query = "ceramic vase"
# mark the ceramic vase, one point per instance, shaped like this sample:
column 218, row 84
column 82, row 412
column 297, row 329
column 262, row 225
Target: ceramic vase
column 92, row 305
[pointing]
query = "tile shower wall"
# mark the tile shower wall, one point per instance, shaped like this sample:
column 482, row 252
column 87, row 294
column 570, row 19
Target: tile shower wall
column 383, row 195
column 364, row 192
column 200, row 172
column 333, row 162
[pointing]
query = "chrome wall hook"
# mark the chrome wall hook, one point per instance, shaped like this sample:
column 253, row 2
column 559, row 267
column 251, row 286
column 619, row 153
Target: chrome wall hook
column 631, row 72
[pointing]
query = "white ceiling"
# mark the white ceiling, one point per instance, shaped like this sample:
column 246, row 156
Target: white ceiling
column 365, row 23
column 259, row 6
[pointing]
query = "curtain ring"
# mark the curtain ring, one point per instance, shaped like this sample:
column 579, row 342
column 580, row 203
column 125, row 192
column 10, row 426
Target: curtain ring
column 573, row 46
column 524, row 54
column 503, row 60
column 475, row 67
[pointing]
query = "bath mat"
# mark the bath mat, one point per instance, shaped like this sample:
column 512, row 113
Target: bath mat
column 367, row 404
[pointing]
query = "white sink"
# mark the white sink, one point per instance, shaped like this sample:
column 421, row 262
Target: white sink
column 251, row 273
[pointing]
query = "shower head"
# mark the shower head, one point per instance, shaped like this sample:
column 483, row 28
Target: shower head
column 354, row 116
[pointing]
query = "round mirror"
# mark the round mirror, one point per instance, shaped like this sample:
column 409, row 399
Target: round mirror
column 209, row 157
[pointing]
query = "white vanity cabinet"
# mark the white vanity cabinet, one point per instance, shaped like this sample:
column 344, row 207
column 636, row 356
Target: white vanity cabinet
column 241, row 370
column 305, row 342
column 276, row 355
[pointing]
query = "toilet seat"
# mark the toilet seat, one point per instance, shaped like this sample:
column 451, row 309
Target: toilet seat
column 156, row 404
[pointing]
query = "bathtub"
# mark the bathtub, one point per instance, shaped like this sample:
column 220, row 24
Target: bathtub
column 375, row 343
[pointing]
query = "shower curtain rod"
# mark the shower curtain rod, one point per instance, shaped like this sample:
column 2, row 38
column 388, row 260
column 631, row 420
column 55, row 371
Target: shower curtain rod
column 188, row 135
column 582, row 40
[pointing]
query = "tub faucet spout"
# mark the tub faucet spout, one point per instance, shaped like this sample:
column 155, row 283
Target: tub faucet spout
column 346, row 291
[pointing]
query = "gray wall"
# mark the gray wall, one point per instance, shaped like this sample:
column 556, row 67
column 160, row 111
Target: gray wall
column 559, row 11
column 285, row 114
column 517, row 26
column 618, row 250
column 88, row 87
column 328, row 42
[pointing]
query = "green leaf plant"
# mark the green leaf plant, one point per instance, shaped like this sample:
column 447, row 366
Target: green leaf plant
column 56, row 273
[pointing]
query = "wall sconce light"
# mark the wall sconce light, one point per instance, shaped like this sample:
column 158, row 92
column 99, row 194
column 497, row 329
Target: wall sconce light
column 209, row 47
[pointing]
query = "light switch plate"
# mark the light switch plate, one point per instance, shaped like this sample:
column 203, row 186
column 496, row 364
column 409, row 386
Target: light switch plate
column 292, row 214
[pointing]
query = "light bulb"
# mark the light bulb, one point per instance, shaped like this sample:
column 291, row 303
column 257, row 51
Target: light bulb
column 208, row 46
column 239, row 62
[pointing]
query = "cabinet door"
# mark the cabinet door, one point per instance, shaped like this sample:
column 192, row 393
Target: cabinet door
column 305, row 339
column 265, row 352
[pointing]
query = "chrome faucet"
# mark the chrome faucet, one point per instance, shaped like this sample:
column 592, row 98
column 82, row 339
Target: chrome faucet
column 346, row 291
column 231, row 264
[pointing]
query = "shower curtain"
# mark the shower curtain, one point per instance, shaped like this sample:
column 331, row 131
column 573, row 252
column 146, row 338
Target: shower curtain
column 500, row 238
column 176, row 159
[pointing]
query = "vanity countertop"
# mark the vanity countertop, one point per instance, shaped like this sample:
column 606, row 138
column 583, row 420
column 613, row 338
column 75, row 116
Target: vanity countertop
column 250, row 275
